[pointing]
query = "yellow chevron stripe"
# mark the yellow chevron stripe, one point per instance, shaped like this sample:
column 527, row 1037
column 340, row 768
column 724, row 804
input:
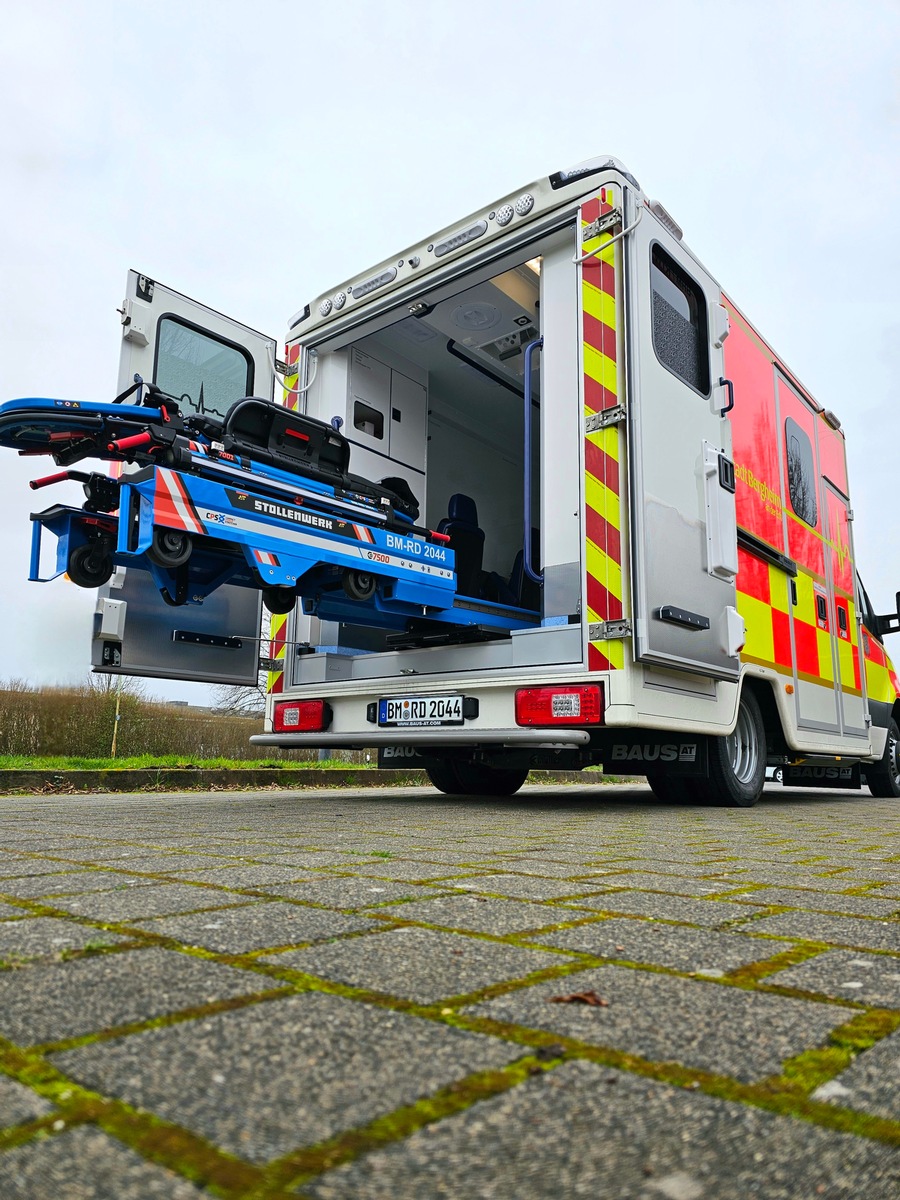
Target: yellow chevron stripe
column 599, row 305
column 603, row 569
column 600, row 368
column 602, row 500
column 606, row 439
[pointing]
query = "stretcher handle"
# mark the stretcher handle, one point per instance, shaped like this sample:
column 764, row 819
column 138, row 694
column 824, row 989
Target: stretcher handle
column 130, row 443
column 443, row 538
column 46, row 480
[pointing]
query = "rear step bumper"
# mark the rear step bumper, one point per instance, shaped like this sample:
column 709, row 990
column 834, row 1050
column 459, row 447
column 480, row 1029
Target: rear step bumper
column 542, row 739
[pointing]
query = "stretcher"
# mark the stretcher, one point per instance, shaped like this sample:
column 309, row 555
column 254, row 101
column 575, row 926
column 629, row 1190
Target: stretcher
column 262, row 499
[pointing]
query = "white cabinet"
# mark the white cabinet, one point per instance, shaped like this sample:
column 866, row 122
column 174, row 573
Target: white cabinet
column 386, row 411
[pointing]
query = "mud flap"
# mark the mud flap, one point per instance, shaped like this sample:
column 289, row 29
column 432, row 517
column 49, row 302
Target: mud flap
column 637, row 754
column 823, row 775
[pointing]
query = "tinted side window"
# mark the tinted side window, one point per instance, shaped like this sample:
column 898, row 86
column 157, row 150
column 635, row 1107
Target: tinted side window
column 801, row 473
column 206, row 373
column 679, row 321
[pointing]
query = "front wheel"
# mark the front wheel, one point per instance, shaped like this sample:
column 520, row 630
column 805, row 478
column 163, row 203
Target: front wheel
column 475, row 779
column 91, row 565
column 279, row 600
column 737, row 763
column 883, row 777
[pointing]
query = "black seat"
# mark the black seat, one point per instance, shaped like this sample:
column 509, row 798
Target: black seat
column 261, row 429
column 526, row 593
column 466, row 542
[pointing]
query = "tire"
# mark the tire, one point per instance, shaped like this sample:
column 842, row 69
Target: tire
column 671, row 789
column 475, row 779
column 737, row 763
column 170, row 547
column 883, row 777
column 279, row 600
column 359, row 585
column 90, row 566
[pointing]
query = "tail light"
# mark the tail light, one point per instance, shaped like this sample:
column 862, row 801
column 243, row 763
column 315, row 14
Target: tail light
column 301, row 716
column 568, row 704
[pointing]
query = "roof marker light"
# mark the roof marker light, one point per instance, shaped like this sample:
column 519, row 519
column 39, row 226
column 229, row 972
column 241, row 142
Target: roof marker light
column 325, row 307
column 525, row 204
column 374, row 282
column 505, row 214
column 469, row 234
column 340, row 300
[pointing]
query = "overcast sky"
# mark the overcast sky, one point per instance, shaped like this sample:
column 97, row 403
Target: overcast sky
column 253, row 154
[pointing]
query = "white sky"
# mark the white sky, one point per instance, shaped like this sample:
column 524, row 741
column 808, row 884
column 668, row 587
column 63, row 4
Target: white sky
column 253, row 154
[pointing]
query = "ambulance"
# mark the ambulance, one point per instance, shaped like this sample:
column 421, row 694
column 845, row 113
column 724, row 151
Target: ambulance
column 649, row 514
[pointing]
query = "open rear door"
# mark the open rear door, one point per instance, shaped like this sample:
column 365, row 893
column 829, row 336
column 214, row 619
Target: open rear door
column 209, row 361
column 683, row 504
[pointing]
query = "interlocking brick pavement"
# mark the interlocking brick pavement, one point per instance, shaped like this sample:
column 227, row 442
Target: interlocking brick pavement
column 349, row 996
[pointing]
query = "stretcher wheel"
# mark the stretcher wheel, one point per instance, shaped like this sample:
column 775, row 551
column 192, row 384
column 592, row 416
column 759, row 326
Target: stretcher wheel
column 90, row 566
column 359, row 585
column 279, row 599
column 170, row 547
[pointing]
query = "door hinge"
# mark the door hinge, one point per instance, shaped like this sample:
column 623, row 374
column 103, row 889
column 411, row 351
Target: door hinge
column 603, row 419
column 605, row 224
column 609, row 631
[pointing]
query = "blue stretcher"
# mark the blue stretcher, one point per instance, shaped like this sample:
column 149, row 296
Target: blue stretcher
column 263, row 499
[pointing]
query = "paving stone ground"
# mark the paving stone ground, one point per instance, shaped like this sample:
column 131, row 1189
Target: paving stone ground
column 572, row 992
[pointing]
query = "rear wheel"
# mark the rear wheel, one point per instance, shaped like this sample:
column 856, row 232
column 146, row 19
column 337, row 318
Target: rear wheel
column 737, row 763
column 359, row 585
column 475, row 779
column 170, row 547
column 883, row 777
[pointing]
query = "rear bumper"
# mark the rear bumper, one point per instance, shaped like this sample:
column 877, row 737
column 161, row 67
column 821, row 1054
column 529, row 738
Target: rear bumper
column 542, row 739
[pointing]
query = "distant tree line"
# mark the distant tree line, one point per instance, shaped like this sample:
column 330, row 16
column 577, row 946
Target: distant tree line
column 79, row 722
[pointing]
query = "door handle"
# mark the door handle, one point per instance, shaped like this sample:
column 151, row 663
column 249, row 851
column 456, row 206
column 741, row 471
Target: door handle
column 726, row 383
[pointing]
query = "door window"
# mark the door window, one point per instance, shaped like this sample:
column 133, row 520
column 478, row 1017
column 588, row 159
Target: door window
column 207, row 373
column 801, row 473
column 679, row 321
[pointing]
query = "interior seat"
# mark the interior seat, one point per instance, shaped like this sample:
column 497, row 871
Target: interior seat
column 466, row 542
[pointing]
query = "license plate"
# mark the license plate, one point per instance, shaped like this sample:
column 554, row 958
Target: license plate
column 407, row 711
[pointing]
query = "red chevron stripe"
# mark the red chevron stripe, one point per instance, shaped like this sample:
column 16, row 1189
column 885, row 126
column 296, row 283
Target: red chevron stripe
column 599, row 464
column 604, row 536
column 600, row 336
column 601, row 601
column 597, row 397
column 598, row 661
column 600, row 275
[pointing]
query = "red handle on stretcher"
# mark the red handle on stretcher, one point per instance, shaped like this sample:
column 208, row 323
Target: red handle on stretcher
column 130, row 443
column 34, row 484
column 443, row 538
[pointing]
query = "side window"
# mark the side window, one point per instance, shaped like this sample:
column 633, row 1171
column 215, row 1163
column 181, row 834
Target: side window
column 679, row 321
column 207, row 373
column 801, row 473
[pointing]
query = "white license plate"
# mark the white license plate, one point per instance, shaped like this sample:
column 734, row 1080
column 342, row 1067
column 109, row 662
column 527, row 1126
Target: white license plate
column 420, row 710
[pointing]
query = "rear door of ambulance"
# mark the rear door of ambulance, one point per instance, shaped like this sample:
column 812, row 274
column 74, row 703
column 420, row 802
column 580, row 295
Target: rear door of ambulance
column 208, row 361
column 682, row 486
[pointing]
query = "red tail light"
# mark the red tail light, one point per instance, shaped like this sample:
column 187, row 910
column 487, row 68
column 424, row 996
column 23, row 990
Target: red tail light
column 566, row 704
column 301, row 716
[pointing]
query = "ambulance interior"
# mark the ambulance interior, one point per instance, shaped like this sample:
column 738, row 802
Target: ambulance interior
column 436, row 397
